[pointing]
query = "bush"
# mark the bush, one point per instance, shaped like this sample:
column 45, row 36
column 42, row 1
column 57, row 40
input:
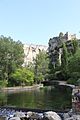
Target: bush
column 78, row 82
column 71, row 81
column 21, row 76
column 3, row 83
column 74, row 77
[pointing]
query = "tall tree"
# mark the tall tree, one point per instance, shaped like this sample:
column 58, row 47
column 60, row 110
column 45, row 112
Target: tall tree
column 64, row 56
column 41, row 66
column 74, row 46
column 11, row 56
column 74, row 67
column 74, row 62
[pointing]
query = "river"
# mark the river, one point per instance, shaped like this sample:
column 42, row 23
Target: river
column 44, row 98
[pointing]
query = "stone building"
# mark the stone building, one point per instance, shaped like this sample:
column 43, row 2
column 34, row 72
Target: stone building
column 30, row 52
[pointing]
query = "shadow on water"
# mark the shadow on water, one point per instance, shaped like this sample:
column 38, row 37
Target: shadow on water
column 45, row 98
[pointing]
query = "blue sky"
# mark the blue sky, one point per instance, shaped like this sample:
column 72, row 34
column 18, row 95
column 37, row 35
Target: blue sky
column 36, row 21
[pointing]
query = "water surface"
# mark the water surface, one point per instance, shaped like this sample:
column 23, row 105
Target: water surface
column 46, row 98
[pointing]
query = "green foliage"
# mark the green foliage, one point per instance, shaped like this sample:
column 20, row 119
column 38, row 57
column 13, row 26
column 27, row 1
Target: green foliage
column 61, row 75
column 64, row 63
column 74, row 67
column 71, row 81
column 74, row 62
column 11, row 60
column 64, row 56
column 74, row 76
column 22, row 76
column 75, row 46
column 70, row 61
column 11, row 56
column 41, row 66
column 3, row 83
column 78, row 82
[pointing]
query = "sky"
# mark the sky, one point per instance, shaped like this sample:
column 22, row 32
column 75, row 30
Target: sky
column 36, row 21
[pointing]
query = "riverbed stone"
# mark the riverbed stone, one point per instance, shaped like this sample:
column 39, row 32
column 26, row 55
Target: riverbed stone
column 50, row 115
column 19, row 114
column 74, row 117
column 34, row 115
column 66, row 115
column 15, row 118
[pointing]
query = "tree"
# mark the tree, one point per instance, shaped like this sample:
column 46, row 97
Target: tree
column 11, row 56
column 22, row 76
column 62, row 72
column 74, row 46
column 74, row 62
column 41, row 66
column 64, row 56
column 74, row 67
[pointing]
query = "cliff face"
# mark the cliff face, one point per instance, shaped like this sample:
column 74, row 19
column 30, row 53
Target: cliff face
column 55, row 46
column 30, row 52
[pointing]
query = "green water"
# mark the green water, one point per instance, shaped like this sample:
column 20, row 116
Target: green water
column 46, row 98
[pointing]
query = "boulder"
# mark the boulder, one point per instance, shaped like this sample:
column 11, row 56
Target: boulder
column 19, row 114
column 50, row 115
column 34, row 115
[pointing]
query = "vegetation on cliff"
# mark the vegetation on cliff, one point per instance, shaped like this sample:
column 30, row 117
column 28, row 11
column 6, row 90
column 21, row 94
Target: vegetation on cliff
column 70, row 62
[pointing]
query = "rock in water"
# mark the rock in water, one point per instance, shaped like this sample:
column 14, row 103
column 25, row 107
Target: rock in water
column 50, row 115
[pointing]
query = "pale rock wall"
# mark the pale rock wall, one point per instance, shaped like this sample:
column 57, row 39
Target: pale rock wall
column 30, row 52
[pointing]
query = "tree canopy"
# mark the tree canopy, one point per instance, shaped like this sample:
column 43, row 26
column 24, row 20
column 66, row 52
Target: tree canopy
column 11, row 56
column 41, row 66
column 22, row 76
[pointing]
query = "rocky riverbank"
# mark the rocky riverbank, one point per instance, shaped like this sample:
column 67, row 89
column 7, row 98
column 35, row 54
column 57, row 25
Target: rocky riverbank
column 12, row 114
column 7, row 113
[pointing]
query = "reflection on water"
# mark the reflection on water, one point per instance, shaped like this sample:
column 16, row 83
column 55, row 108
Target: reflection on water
column 3, row 98
column 42, row 98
